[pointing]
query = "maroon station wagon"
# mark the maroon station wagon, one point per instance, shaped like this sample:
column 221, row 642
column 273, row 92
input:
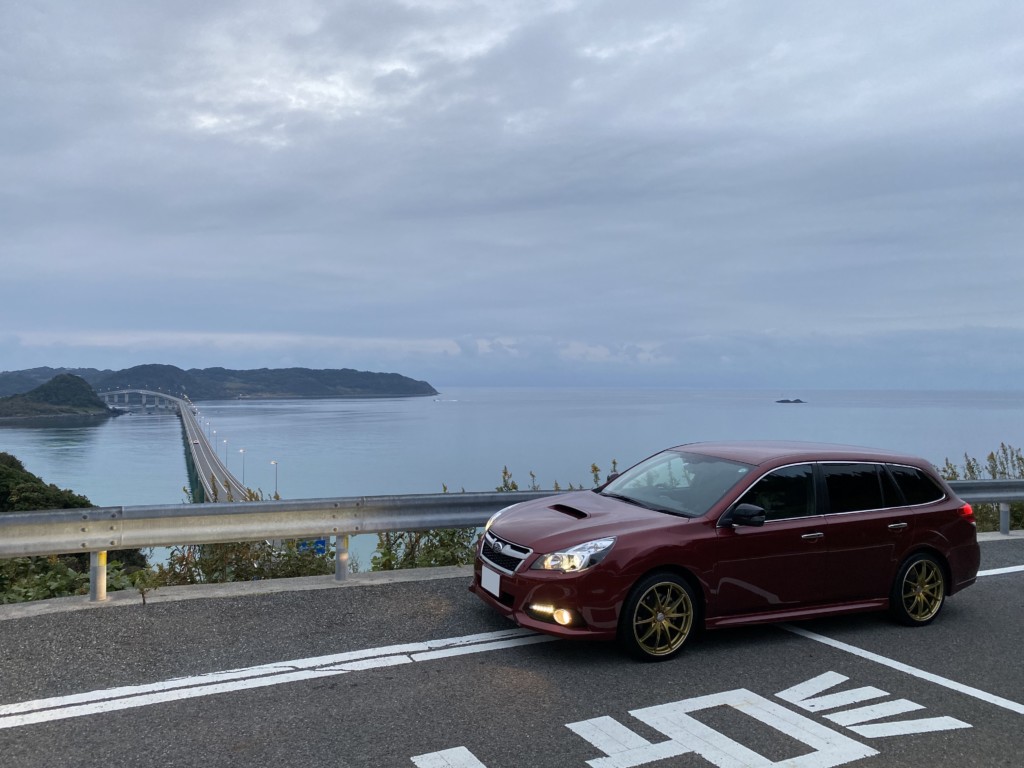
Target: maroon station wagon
column 720, row 534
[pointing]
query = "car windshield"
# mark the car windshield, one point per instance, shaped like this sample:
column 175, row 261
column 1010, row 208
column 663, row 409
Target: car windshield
column 677, row 482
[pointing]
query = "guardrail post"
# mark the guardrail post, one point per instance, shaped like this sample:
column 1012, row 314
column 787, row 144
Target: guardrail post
column 1004, row 518
column 97, row 576
column 341, row 558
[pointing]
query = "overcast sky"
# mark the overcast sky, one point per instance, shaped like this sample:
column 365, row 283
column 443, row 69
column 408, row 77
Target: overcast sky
column 648, row 193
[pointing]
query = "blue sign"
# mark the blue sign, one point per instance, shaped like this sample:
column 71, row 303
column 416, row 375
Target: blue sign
column 319, row 545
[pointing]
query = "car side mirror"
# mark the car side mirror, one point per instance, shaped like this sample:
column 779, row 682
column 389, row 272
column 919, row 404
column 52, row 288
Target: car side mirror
column 611, row 477
column 747, row 514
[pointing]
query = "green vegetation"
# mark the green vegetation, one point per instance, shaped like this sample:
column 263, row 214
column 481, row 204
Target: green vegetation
column 1007, row 463
column 38, row 578
column 63, row 395
column 423, row 549
column 222, row 383
column 21, row 491
column 243, row 561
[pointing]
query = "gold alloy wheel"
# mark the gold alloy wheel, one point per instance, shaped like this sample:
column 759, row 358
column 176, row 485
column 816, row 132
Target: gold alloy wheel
column 923, row 590
column 663, row 618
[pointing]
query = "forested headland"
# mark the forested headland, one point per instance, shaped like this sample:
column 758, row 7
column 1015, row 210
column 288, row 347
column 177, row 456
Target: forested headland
column 63, row 395
column 224, row 383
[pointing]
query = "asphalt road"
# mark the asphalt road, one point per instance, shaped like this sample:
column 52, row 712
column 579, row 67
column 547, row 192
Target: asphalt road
column 419, row 673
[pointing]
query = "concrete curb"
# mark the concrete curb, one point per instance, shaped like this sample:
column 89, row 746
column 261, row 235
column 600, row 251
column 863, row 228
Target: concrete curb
column 996, row 536
column 233, row 589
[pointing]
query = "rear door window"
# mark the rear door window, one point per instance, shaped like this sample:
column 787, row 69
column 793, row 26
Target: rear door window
column 856, row 487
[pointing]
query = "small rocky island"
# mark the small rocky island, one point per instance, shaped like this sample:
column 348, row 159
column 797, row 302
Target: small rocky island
column 797, row 400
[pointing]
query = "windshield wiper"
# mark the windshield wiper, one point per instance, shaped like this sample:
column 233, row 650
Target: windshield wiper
column 620, row 497
column 645, row 505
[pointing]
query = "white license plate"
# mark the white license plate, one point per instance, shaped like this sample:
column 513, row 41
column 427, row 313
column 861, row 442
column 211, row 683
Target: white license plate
column 490, row 580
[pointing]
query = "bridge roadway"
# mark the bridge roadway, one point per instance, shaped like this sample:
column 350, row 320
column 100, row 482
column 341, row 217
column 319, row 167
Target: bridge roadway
column 384, row 671
column 218, row 483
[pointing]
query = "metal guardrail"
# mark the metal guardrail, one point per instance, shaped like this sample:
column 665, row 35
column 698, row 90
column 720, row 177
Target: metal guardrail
column 989, row 491
column 88, row 529
column 98, row 529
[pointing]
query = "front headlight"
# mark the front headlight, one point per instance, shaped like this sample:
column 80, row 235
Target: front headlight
column 577, row 558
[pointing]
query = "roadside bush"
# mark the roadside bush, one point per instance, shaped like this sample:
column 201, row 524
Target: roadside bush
column 23, row 579
column 243, row 561
column 1006, row 463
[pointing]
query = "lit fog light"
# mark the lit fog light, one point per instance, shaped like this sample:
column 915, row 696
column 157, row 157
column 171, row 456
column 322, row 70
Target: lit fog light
column 546, row 612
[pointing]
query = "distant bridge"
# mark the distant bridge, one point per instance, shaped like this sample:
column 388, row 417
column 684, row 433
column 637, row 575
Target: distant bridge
column 134, row 400
column 208, row 475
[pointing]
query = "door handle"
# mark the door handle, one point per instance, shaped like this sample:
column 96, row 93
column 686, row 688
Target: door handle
column 897, row 526
column 812, row 536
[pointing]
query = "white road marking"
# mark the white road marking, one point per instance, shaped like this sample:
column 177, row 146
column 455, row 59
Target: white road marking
column 1000, row 571
column 623, row 747
column 807, row 696
column 841, row 699
column 626, row 749
column 874, row 712
column 906, row 727
column 481, row 647
column 953, row 685
column 459, row 757
column 128, row 697
column 809, row 689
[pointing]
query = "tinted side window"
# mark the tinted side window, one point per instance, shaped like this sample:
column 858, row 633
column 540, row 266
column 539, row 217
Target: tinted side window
column 784, row 493
column 917, row 486
column 854, row 487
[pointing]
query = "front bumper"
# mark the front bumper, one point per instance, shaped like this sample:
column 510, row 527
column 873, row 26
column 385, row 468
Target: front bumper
column 591, row 596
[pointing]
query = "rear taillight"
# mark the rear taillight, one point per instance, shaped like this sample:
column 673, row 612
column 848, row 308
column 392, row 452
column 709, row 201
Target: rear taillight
column 967, row 513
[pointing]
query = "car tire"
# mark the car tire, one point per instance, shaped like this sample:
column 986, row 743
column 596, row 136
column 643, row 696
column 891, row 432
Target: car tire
column 919, row 591
column 658, row 617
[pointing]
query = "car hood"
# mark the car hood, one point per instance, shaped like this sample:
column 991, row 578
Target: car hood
column 554, row 522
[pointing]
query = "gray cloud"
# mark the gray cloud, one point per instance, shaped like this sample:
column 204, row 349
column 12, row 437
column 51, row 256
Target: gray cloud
column 719, row 193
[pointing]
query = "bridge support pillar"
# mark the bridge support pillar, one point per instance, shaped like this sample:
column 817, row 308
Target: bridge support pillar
column 97, row 576
column 341, row 558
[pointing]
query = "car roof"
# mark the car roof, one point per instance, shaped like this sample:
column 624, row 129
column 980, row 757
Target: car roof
column 774, row 451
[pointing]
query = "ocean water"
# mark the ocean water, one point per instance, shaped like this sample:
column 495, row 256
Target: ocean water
column 463, row 438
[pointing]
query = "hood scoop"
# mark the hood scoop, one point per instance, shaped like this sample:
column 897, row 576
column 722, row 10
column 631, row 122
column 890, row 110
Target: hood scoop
column 565, row 509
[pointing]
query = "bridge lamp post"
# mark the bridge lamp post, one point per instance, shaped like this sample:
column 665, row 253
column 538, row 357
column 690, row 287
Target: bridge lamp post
column 274, row 462
column 242, row 451
column 225, row 452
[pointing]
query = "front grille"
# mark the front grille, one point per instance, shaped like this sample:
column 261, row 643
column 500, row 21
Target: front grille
column 501, row 560
column 503, row 554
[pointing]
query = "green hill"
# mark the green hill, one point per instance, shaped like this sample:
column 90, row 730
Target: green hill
column 20, row 490
column 223, row 383
column 64, row 395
